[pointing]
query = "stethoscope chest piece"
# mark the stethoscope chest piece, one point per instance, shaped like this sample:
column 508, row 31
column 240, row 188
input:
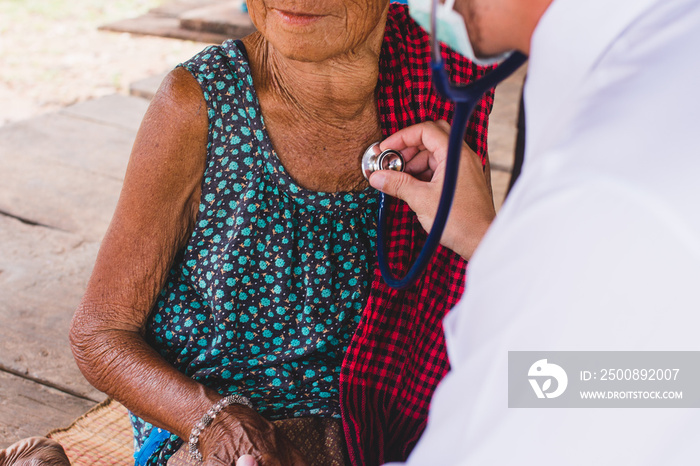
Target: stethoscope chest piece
column 375, row 159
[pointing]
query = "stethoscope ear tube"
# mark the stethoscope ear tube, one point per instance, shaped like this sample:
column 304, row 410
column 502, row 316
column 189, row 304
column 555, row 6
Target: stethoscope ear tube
column 466, row 99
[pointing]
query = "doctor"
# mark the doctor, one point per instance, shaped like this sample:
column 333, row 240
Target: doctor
column 598, row 245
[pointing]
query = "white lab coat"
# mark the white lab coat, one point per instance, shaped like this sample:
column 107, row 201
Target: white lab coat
column 597, row 248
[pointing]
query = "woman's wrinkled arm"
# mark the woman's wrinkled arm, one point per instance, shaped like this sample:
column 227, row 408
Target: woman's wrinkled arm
column 153, row 218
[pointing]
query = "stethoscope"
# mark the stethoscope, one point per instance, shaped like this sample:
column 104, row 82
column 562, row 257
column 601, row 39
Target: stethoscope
column 465, row 98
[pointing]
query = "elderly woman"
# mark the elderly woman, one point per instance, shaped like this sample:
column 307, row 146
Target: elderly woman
column 237, row 279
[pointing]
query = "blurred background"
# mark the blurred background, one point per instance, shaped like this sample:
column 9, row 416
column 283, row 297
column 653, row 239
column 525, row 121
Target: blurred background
column 52, row 53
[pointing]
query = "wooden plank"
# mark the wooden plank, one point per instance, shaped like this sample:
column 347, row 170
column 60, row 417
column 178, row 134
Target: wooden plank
column 29, row 409
column 146, row 88
column 163, row 26
column 227, row 19
column 175, row 8
column 499, row 183
column 209, row 21
column 64, row 172
column 503, row 121
column 43, row 274
column 95, row 136
column 116, row 110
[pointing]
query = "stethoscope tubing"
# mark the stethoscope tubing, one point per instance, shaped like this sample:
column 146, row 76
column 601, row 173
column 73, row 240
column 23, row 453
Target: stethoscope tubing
column 466, row 98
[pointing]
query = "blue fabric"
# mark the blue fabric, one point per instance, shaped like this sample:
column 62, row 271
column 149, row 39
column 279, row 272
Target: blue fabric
column 152, row 443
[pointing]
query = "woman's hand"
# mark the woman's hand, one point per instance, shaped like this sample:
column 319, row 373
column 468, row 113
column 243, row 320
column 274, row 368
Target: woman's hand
column 424, row 147
column 35, row 450
column 241, row 436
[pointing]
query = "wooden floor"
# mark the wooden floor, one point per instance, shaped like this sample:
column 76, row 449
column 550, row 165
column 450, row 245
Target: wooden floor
column 60, row 176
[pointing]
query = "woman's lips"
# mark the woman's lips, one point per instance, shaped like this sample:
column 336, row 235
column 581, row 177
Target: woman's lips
column 299, row 19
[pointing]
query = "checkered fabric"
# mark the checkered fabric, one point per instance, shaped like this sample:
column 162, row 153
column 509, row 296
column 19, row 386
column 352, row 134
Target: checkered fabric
column 398, row 354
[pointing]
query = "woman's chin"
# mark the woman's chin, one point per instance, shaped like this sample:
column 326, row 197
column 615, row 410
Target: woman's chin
column 304, row 50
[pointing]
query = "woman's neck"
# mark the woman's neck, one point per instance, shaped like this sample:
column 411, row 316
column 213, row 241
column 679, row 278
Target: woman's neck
column 320, row 116
column 331, row 93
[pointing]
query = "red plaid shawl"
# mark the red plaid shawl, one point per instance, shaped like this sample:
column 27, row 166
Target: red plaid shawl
column 398, row 354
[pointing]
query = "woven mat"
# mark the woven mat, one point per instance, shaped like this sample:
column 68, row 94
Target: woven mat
column 102, row 436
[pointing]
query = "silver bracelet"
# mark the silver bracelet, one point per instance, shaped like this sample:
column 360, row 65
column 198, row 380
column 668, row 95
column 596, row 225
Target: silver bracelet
column 208, row 417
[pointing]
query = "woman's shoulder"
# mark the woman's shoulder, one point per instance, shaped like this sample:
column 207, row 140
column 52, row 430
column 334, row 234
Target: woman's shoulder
column 227, row 60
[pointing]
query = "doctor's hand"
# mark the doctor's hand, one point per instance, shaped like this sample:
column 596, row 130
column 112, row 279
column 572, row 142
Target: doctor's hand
column 424, row 147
